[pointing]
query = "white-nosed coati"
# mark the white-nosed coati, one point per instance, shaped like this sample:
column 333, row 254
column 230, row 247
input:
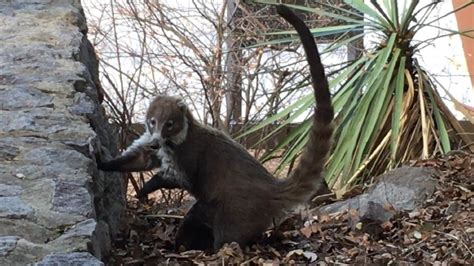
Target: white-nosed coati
column 237, row 198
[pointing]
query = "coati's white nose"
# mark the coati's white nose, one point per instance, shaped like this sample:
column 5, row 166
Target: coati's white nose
column 157, row 136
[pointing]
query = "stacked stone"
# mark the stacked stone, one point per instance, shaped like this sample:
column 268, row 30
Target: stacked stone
column 56, row 208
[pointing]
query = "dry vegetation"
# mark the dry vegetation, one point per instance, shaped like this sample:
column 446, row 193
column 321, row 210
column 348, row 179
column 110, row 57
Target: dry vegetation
column 440, row 233
column 151, row 47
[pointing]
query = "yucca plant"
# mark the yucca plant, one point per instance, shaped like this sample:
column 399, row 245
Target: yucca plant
column 388, row 110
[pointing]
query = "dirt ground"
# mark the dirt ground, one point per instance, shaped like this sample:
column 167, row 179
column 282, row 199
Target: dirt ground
column 440, row 233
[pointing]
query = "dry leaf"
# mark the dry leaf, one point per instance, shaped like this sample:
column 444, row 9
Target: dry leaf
column 311, row 256
column 417, row 235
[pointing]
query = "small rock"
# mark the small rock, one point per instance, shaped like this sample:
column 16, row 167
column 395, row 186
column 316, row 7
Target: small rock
column 7, row 244
column 417, row 235
column 14, row 207
column 453, row 208
column 82, row 105
column 8, row 151
column 71, row 197
column 9, row 190
column 403, row 189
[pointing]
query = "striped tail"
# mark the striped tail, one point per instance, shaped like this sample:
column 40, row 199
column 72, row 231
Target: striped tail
column 306, row 179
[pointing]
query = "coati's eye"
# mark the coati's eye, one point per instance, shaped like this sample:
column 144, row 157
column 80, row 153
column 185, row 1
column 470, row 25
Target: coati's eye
column 169, row 124
column 151, row 124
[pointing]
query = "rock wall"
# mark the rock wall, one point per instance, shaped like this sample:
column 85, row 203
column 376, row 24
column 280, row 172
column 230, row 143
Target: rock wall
column 56, row 208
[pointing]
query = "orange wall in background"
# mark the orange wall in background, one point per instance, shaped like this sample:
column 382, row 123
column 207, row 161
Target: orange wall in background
column 465, row 19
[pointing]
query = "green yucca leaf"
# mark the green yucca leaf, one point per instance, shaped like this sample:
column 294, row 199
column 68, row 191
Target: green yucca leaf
column 365, row 9
column 408, row 16
column 396, row 117
column 376, row 112
column 441, row 127
column 329, row 30
column 355, row 86
column 314, row 10
column 295, row 114
column 344, row 42
column 359, row 142
column 294, row 149
column 316, row 33
column 370, row 91
column 394, row 12
column 278, row 116
column 300, row 129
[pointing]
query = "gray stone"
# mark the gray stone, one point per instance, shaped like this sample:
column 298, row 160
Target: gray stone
column 84, row 229
column 52, row 125
column 8, row 151
column 24, row 253
column 7, row 244
column 403, row 189
column 43, row 156
column 32, row 172
column 82, row 105
column 69, row 259
column 16, row 121
column 71, row 197
column 39, row 194
column 9, row 190
column 101, row 239
column 53, row 86
column 15, row 208
column 28, row 230
column 23, row 97
column 41, row 122
column 58, row 161
column 25, row 141
column 84, row 236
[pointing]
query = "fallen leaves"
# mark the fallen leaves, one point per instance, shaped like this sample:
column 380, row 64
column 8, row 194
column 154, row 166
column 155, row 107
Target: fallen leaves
column 439, row 233
column 310, row 256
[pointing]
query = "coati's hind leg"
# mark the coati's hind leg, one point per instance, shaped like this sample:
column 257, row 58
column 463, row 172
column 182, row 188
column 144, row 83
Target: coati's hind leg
column 195, row 231
column 243, row 226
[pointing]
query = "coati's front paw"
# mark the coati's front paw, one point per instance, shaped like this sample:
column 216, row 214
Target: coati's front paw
column 99, row 158
column 105, row 166
column 100, row 165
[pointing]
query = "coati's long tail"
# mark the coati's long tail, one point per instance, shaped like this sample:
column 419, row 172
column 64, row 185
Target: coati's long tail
column 307, row 177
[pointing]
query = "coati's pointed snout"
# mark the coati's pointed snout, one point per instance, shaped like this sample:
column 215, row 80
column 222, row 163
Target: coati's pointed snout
column 166, row 119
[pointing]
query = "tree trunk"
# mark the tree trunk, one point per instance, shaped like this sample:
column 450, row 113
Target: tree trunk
column 233, row 90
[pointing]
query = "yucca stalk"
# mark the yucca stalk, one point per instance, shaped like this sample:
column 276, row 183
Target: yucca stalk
column 388, row 109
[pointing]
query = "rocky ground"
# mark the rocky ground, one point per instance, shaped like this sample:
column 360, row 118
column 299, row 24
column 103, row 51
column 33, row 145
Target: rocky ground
column 439, row 231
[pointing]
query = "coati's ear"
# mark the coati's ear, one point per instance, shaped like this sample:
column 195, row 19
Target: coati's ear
column 181, row 105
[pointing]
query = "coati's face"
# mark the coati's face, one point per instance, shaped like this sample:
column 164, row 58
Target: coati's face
column 166, row 119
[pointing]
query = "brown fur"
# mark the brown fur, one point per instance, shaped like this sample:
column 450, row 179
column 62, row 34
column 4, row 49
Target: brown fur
column 237, row 198
column 143, row 158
